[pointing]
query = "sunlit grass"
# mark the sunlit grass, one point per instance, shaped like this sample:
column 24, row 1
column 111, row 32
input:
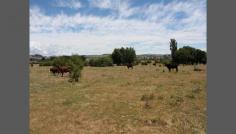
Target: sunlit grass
column 109, row 100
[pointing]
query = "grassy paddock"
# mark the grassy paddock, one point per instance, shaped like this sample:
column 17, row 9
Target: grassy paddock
column 109, row 100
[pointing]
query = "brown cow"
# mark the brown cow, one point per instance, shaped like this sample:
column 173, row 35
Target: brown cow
column 64, row 69
column 130, row 65
column 54, row 70
column 60, row 70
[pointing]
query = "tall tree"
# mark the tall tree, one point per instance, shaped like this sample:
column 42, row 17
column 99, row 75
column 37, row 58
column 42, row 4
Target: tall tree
column 123, row 56
column 116, row 56
column 173, row 48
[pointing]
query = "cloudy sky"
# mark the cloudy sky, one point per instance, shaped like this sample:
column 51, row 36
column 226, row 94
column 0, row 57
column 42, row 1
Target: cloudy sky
column 64, row 27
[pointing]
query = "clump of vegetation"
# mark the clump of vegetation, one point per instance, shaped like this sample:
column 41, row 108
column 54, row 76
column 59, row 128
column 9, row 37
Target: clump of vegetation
column 147, row 105
column 155, row 121
column 101, row 62
column 144, row 63
column 149, row 61
column 137, row 62
column 196, row 90
column 191, row 96
column 175, row 100
column 46, row 62
column 123, row 56
column 147, row 97
column 165, row 60
column 74, row 63
column 160, row 97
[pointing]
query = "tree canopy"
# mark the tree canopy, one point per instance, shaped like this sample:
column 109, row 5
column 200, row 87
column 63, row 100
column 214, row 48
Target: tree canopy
column 190, row 55
column 122, row 56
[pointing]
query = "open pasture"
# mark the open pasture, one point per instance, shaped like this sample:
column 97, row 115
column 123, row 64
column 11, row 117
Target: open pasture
column 107, row 100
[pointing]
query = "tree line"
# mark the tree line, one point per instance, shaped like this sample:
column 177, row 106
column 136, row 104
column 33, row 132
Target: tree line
column 186, row 54
column 125, row 56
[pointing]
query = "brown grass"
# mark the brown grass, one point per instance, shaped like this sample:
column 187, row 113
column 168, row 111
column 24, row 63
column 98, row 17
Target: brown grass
column 108, row 100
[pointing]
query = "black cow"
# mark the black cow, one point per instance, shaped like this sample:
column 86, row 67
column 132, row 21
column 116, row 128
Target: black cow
column 129, row 65
column 171, row 66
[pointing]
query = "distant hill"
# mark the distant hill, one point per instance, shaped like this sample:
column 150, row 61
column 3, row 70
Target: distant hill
column 36, row 57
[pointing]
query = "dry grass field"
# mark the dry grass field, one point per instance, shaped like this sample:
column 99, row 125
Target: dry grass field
column 115, row 100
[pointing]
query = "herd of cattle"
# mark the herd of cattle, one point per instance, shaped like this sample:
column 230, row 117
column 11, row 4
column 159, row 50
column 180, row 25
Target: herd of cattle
column 64, row 69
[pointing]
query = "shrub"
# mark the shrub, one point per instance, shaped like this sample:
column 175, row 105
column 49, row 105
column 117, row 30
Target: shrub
column 100, row 62
column 75, row 74
column 46, row 63
column 137, row 62
column 148, row 61
column 75, row 64
column 147, row 97
column 175, row 100
column 165, row 60
column 144, row 63
column 191, row 96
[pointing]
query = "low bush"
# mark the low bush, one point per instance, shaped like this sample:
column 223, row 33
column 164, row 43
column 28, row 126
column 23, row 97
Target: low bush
column 147, row 97
column 100, row 62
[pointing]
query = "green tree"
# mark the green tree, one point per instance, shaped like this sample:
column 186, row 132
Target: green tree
column 76, row 64
column 130, row 56
column 173, row 48
column 190, row 55
column 123, row 56
column 116, row 56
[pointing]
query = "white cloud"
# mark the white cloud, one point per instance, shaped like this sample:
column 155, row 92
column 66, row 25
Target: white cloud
column 74, row 4
column 105, row 4
column 88, row 34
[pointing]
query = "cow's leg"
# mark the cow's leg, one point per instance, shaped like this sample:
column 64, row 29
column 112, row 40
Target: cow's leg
column 176, row 69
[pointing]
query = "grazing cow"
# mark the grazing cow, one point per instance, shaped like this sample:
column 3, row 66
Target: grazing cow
column 170, row 66
column 129, row 65
column 63, row 70
column 54, row 70
column 60, row 70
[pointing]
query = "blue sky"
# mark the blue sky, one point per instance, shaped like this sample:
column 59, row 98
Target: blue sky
column 64, row 27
